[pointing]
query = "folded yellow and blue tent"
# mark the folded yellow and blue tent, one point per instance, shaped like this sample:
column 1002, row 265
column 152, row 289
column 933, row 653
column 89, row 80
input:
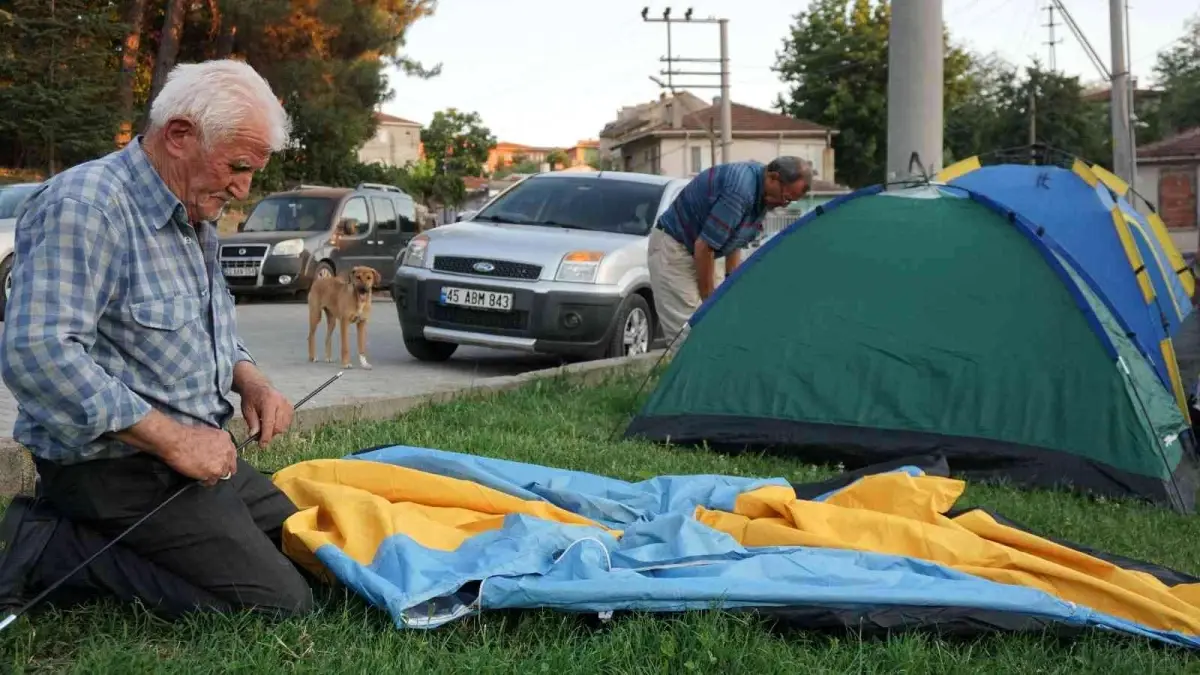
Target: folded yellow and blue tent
column 431, row 536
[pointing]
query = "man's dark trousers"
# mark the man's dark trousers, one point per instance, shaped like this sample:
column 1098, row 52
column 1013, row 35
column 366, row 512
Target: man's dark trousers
column 212, row 548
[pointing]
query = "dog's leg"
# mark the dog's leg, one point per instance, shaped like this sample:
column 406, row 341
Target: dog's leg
column 344, row 326
column 361, row 326
column 330, row 321
column 314, row 318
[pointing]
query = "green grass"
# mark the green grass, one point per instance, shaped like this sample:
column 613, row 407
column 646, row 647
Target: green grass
column 560, row 424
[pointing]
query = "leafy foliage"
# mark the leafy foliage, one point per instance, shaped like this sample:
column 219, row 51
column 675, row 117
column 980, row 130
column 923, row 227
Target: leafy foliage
column 1178, row 72
column 58, row 81
column 835, row 63
column 457, row 142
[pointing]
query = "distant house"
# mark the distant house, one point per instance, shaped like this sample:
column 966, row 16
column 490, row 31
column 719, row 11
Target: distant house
column 1167, row 175
column 680, row 136
column 396, row 142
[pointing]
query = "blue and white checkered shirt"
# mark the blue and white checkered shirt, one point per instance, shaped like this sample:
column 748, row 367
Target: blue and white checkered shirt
column 117, row 306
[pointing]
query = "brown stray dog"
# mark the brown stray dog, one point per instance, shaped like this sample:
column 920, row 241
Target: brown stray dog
column 345, row 302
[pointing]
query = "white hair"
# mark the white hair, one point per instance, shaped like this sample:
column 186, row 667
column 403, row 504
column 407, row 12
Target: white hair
column 218, row 96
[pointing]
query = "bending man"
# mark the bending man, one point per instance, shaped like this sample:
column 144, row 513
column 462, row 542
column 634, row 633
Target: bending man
column 716, row 216
column 120, row 346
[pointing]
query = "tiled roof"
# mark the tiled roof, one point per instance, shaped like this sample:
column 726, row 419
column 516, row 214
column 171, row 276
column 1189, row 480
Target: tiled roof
column 1183, row 144
column 747, row 119
column 384, row 117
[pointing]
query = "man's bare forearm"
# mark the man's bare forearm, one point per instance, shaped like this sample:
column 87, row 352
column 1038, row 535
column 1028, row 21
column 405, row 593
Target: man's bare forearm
column 247, row 376
column 704, row 268
column 155, row 434
column 732, row 261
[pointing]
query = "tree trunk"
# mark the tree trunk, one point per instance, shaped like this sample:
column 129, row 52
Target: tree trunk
column 134, row 9
column 168, row 48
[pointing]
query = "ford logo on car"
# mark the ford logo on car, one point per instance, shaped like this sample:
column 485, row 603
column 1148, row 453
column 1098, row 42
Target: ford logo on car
column 483, row 266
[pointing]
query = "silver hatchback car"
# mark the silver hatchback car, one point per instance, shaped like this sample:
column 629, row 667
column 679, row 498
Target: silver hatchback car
column 555, row 264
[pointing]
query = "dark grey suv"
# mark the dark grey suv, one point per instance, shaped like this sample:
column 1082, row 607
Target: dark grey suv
column 291, row 238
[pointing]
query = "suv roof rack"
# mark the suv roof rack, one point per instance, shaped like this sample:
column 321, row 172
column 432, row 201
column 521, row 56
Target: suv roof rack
column 305, row 186
column 378, row 186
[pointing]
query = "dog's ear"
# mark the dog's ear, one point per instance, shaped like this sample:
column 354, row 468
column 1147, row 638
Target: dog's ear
column 378, row 277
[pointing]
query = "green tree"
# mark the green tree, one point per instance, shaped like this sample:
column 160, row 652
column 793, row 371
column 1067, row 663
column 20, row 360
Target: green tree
column 58, row 81
column 1178, row 75
column 458, row 142
column 1003, row 104
column 835, row 63
column 433, row 187
column 556, row 159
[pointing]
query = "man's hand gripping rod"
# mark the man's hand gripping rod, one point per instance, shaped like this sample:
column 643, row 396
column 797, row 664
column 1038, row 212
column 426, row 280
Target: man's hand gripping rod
column 41, row 596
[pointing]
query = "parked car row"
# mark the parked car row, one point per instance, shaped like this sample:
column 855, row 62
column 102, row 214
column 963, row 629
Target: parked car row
column 555, row 264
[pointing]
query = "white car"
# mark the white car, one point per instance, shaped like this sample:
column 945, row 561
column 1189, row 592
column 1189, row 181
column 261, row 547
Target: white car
column 555, row 264
column 11, row 198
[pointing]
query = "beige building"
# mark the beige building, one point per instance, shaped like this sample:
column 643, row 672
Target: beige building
column 680, row 136
column 397, row 142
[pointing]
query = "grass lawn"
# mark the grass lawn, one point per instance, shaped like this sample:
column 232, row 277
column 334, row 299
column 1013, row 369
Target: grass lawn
column 560, row 424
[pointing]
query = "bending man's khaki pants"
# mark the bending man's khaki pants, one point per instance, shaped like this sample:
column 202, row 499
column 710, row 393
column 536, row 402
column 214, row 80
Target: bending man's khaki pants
column 673, row 282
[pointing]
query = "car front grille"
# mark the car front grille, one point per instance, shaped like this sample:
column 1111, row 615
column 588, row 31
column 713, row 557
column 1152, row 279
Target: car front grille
column 500, row 269
column 243, row 251
column 479, row 318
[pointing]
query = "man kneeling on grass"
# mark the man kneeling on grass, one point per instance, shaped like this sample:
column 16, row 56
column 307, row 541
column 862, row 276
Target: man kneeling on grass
column 120, row 346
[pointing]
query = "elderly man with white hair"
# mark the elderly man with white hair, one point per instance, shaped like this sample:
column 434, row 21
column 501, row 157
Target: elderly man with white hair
column 120, row 347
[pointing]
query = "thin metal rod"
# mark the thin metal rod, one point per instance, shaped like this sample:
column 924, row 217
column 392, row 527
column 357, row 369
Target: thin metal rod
column 54, row 586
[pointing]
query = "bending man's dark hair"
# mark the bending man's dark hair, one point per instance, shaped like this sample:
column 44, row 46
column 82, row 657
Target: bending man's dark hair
column 791, row 169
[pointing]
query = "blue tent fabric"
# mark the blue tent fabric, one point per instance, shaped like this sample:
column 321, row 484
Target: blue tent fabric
column 1172, row 297
column 666, row 561
column 1074, row 214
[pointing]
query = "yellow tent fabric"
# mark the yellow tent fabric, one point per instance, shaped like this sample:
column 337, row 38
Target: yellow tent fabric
column 905, row 515
column 357, row 506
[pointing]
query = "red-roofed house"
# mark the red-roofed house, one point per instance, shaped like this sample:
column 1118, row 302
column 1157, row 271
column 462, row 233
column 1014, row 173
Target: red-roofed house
column 680, row 136
column 1167, row 175
column 397, row 142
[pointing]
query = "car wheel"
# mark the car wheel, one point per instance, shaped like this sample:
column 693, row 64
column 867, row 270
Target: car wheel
column 324, row 270
column 633, row 330
column 6, row 280
column 428, row 350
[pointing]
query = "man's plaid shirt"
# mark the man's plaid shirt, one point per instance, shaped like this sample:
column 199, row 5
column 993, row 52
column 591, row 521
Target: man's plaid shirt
column 118, row 305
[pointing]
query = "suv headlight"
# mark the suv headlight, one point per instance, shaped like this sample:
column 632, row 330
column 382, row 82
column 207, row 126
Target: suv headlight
column 414, row 255
column 579, row 266
column 288, row 247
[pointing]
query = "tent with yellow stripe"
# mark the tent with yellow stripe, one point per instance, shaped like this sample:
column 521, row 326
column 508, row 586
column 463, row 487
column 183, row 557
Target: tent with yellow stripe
column 1129, row 260
column 432, row 536
column 1006, row 317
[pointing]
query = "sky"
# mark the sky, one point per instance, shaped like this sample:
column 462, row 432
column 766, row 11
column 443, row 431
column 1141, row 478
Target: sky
column 541, row 74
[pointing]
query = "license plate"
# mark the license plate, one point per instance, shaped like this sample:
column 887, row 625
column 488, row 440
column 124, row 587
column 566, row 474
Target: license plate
column 240, row 272
column 469, row 297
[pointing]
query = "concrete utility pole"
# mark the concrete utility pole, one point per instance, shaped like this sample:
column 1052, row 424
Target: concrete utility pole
column 723, row 73
column 915, row 65
column 1122, row 129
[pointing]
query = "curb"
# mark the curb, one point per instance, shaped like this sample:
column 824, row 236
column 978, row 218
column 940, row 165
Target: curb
column 17, row 473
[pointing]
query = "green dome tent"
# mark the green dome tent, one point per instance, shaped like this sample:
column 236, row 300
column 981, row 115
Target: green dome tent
column 933, row 319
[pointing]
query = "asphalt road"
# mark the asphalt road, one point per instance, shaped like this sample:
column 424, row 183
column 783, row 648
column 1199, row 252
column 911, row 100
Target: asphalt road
column 277, row 336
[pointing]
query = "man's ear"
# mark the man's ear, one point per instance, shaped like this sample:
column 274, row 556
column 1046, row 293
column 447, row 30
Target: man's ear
column 178, row 135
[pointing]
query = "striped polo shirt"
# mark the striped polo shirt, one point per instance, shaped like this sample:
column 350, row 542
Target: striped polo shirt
column 722, row 205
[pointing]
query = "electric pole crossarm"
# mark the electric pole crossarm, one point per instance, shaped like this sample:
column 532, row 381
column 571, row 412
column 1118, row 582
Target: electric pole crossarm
column 723, row 74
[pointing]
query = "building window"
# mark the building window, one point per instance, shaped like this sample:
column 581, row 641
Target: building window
column 697, row 158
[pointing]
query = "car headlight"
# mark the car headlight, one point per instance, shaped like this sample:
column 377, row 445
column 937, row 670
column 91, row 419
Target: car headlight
column 414, row 255
column 288, row 247
column 579, row 266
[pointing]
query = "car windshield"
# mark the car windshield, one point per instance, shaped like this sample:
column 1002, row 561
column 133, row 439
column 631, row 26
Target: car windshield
column 599, row 204
column 12, row 197
column 291, row 214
